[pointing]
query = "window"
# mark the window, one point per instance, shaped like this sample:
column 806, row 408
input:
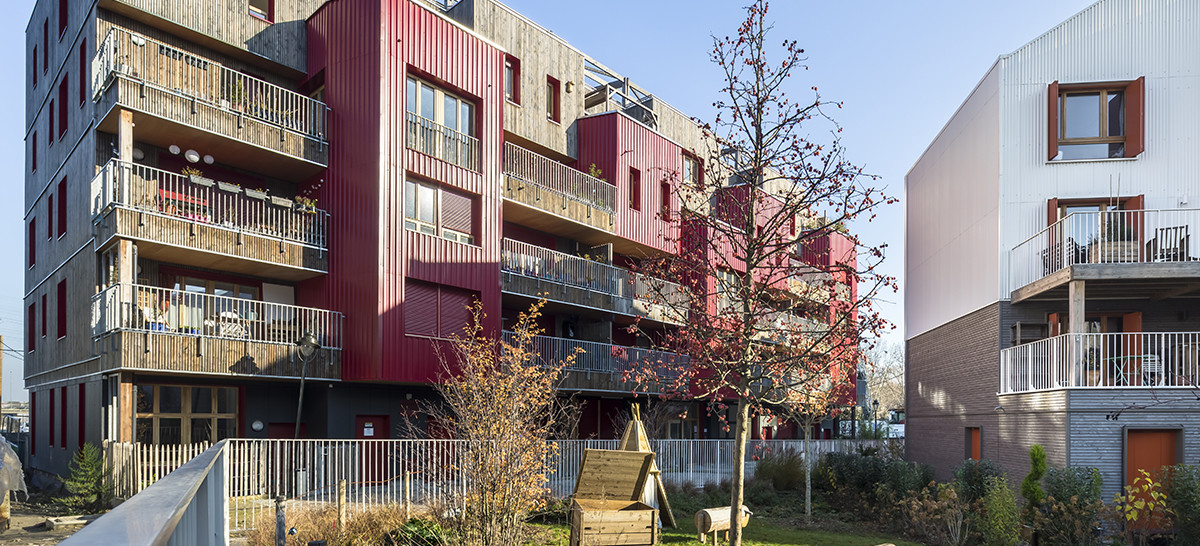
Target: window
column 727, row 282
column 35, row 66
column 691, row 172
column 80, row 425
column 436, row 310
column 553, row 100
column 52, row 409
column 440, row 123
column 46, row 45
column 635, row 189
column 439, row 212
column 44, row 312
column 31, row 332
column 62, row 417
column 190, row 310
column 512, row 79
column 664, row 191
column 34, row 422
column 263, row 9
column 62, row 309
column 34, row 151
column 62, row 18
column 974, row 444
column 1096, row 121
column 62, row 207
column 62, row 106
column 32, row 242
column 50, row 126
column 177, row 414
column 50, row 217
column 83, row 71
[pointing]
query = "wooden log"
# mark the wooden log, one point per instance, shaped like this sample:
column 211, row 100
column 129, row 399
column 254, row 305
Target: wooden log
column 711, row 520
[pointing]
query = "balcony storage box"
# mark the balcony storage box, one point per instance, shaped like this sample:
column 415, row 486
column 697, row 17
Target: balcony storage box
column 605, row 508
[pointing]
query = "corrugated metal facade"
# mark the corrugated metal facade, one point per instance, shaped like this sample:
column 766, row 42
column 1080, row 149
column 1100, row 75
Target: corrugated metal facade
column 367, row 49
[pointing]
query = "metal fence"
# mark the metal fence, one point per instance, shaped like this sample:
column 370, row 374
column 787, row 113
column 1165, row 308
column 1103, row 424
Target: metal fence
column 1117, row 236
column 130, row 55
column 432, row 138
column 598, row 357
column 135, row 307
column 1125, row 360
column 547, row 173
column 550, row 265
column 203, row 200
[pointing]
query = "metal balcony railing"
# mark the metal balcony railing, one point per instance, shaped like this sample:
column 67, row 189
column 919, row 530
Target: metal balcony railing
column 150, row 62
column 1125, row 360
column 139, row 308
column 551, row 175
column 198, row 199
column 550, row 265
column 597, row 356
column 432, row 138
column 1118, row 236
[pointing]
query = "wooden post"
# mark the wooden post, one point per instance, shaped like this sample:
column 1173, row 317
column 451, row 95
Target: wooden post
column 407, row 500
column 341, row 505
column 1076, row 296
column 280, row 523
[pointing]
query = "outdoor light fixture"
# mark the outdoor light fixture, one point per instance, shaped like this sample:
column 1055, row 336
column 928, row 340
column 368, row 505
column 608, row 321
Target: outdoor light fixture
column 174, row 149
column 256, row 426
column 875, row 416
column 192, row 156
column 138, row 154
column 208, row 159
column 307, row 347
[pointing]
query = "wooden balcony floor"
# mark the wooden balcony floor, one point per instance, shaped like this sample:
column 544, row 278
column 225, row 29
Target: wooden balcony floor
column 1151, row 281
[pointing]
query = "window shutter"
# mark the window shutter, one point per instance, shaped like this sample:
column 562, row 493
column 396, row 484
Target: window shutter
column 1051, row 211
column 420, row 308
column 455, row 313
column 1052, row 126
column 457, row 212
column 1135, row 117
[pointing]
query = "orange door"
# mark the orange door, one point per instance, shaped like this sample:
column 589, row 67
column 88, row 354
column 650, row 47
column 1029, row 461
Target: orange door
column 1149, row 450
column 976, row 444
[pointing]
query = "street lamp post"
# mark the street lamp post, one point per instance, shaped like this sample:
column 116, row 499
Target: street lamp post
column 875, row 416
column 307, row 347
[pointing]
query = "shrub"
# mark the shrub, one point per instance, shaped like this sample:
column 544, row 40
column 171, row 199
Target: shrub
column 999, row 521
column 783, row 469
column 1182, row 484
column 1073, row 481
column 937, row 516
column 1143, row 508
column 89, row 483
column 970, row 478
column 378, row 525
column 1031, row 486
column 903, row 477
column 1070, row 514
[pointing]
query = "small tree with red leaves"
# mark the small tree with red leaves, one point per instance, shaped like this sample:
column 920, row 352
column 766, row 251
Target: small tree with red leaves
column 777, row 293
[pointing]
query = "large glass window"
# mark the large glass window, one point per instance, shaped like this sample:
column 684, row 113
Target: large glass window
column 440, row 123
column 179, row 414
column 1092, row 124
column 437, row 211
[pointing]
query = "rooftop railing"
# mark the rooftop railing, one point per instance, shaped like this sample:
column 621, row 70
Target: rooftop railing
column 199, row 199
column 1111, row 237
column 130, row 55
column 1126, row 360
column 537, row 169
column 432, row 138
column 139, row 308
column 598, row 356
column 550, row 265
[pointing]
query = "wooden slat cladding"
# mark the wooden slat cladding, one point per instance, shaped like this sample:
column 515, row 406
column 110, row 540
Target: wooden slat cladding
column 178, row 241
column 559, row 206
column 537, row 288
column 143, row 351
column 128, row 93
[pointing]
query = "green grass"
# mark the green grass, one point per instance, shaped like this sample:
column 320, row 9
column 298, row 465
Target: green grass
column 757, row 533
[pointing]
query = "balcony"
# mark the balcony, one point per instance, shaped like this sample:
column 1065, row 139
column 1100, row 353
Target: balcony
column 1131, row 253
column 432, row 138
column 601, row 365
column 193, row 221
column 1140, row 360
column 190, row 99
column 545, row 192
column 536, row 272
column 159, row 329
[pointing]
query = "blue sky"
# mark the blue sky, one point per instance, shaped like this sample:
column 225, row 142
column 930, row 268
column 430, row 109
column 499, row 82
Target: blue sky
column 900, row 68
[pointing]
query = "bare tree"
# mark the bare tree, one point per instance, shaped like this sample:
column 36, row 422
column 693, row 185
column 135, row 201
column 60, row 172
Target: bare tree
column 884, row 368
column 777, row 293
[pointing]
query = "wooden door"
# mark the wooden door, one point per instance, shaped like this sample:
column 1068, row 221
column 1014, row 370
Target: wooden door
column 975, row 443
column 1149, row 450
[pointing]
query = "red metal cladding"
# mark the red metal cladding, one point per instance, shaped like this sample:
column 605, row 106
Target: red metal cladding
column 621, row 147
column 371, row 253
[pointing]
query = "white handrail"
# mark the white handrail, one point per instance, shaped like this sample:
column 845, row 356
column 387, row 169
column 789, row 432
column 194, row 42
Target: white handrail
column 598, row 356
column 140, row 308
column 1119, row 360
column 432, row 138
column 130, row 55
column 542, row 263
column 202, row 200
column 537, row 169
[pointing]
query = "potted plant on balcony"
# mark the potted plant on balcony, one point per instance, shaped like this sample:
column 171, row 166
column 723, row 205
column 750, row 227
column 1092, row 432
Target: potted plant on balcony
column 257, row 193
column 196, row 176
column 282, row 202
column 1119, row 243
column 306, row 204
column 229, row 187
column 1092, row 364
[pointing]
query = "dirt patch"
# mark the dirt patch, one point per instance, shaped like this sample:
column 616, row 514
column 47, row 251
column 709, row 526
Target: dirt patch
column 26, row 525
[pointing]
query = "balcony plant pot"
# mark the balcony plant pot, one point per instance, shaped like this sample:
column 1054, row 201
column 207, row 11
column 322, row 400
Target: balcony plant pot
column 307, row 209
column 201, row 180
column 231, row 188
column 256, row 194
column 282, row 202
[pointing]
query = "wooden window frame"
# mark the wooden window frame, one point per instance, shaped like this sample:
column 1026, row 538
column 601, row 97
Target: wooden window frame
column 268, row 16
column 553, row 99
column 635, row 189
column 698, row 180
column 512, row 69
column 185, row 414
column 1133, row 109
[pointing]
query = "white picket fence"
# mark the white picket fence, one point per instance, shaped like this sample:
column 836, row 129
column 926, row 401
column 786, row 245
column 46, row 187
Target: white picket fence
column 413, row 472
